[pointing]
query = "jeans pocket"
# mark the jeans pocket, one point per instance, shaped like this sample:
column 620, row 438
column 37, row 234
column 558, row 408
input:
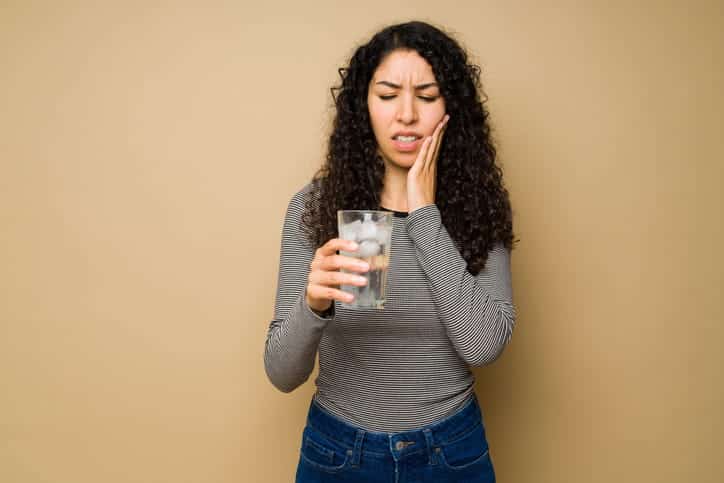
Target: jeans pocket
column 466, row 451
column 323, row 453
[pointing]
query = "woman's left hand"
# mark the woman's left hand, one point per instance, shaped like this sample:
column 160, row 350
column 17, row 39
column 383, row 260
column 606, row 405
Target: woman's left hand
column 422, row 176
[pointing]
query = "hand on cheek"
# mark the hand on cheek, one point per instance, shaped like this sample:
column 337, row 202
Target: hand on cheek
column 421, row 178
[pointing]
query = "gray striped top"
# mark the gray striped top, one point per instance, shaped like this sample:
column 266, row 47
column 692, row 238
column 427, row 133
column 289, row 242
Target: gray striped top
column 406, row 366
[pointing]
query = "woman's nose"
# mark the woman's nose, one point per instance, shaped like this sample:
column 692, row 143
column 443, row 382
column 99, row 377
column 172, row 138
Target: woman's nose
column 406, row 111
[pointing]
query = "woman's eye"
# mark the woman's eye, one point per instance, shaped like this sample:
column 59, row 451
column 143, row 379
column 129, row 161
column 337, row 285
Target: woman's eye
column 424, row 98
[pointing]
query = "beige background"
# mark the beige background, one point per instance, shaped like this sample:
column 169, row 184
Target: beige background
column 147, row 154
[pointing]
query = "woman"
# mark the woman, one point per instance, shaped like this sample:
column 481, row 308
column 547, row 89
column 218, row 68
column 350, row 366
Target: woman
column 394, row 399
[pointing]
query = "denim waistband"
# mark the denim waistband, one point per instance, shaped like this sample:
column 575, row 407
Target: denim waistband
column 436, row 433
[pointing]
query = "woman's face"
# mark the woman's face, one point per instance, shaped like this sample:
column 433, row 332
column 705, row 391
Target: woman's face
column 405, row 106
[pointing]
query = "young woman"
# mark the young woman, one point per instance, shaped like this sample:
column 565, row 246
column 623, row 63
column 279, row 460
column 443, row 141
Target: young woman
column 394, row 399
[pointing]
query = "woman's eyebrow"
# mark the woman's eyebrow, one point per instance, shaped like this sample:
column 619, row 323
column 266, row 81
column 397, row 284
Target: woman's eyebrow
column 397, row 86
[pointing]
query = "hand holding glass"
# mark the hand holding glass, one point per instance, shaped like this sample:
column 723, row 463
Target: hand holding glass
column 325, row 275
column 372, row 230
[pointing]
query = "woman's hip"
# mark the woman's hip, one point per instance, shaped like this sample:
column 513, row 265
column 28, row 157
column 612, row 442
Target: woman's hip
column 452, row 449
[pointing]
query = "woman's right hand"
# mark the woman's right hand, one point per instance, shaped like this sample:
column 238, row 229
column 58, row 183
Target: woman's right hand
column 325, row 275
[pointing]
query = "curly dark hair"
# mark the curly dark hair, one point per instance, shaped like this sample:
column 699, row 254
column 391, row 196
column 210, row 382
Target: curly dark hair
column 473, row 203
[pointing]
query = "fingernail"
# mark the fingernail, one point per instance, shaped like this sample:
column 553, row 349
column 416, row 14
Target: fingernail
column 353, row 245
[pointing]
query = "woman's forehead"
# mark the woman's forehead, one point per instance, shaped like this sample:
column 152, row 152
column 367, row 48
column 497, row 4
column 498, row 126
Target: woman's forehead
column 404, row 66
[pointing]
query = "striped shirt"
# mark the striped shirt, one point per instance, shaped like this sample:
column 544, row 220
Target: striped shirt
column 405, row 366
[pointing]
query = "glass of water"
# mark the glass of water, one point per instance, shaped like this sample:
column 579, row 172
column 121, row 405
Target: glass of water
column 372, row 231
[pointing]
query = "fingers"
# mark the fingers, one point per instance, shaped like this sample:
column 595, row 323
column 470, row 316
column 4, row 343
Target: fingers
column 343, row 262
column 326, row 273
column 422, row 155
column 335, row 244
column 431, row 160
column 440, row 131
column 320, row 292
column 326, row 258
column 330, row 279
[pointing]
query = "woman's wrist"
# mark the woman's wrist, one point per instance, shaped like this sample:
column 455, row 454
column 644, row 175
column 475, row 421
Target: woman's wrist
column 320, row 311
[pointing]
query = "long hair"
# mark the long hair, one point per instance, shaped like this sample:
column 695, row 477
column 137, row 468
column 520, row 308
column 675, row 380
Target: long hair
column 473, row 203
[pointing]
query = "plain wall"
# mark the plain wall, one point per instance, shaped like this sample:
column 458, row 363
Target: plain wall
column 147, row 155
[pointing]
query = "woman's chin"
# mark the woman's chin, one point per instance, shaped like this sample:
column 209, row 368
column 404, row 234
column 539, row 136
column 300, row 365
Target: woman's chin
column 402, row 162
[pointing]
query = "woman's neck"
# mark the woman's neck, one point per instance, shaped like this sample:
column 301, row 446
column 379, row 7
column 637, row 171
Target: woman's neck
column 394, row 190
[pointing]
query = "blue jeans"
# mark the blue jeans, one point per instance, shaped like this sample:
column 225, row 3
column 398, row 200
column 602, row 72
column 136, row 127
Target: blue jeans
column 451, row 450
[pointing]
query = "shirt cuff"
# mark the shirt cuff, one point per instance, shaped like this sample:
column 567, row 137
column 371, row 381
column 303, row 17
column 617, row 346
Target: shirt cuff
column 325, row 316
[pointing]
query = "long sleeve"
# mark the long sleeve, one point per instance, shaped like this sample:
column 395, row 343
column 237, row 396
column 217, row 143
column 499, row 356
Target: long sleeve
column 294, row 333
column 477, row 311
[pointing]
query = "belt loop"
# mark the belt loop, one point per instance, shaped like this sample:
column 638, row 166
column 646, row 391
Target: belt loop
column 430, row 447
column 357, row 452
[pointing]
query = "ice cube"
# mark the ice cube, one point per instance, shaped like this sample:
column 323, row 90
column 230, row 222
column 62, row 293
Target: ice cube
column 368, row 230
column 368, row 248
column 350, row 231
column 383, row 234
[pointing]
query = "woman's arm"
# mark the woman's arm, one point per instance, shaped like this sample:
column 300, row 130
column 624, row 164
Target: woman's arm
column 477, row 311
column 294, row 333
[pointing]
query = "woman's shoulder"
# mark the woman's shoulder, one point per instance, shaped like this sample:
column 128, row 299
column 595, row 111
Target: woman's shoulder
column 294, row 223
column 310, row 191
column 298, row 202
column 307, row 189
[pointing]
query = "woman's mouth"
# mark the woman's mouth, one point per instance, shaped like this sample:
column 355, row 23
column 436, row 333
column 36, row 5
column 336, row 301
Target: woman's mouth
column 404, row 143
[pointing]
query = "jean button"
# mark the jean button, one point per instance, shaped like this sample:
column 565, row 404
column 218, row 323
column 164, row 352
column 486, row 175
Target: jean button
column 400, row 445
